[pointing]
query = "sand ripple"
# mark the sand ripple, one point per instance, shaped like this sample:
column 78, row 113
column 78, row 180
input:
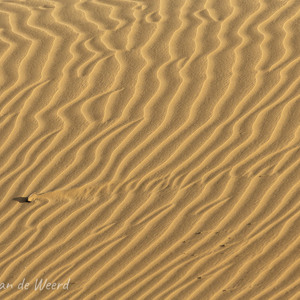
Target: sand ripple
column 159, row 141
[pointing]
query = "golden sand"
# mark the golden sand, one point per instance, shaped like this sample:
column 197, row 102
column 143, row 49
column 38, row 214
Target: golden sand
column 150, row 149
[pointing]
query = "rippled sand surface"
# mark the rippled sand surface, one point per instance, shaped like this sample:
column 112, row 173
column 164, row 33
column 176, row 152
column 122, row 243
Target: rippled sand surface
column 150, row 149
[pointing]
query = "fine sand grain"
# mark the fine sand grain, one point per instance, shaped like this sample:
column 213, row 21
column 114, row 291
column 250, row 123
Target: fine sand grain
column 150, row 149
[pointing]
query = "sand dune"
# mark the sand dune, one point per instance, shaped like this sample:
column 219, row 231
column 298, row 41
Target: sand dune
column 150, row 149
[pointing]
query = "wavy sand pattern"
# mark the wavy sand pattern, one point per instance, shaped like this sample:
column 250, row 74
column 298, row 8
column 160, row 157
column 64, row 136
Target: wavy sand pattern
column 160, row 141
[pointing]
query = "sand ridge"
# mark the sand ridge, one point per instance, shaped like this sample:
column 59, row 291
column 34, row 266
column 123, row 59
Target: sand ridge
column 150, row 149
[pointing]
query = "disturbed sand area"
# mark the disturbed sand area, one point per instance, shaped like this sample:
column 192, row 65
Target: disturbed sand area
column 160, row 143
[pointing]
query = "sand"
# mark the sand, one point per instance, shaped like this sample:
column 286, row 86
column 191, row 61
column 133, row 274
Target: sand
column 150, row 149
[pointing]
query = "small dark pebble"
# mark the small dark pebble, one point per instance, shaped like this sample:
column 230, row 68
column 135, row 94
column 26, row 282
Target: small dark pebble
column 249, row 224
column 199, row 277
column 198, row 232
column 222, row 246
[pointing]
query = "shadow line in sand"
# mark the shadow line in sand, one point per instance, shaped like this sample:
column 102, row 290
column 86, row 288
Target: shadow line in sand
column 22, row 199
